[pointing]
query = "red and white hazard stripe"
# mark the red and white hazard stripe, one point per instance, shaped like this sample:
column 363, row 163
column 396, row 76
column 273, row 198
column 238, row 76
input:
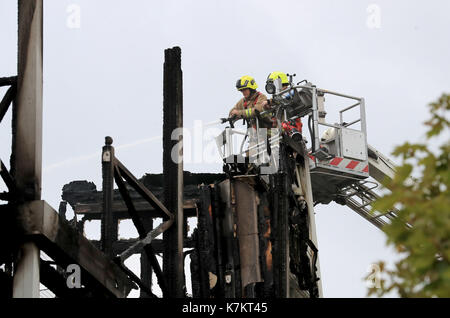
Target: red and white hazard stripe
column 346, row 164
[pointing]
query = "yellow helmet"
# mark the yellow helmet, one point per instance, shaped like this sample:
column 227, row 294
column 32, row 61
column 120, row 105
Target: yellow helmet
column 246, row 82
column 281, row 75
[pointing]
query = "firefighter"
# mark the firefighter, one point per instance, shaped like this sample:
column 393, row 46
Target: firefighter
column 284, row 84
column 290, row 126
column 251, row 103
column 248, row 108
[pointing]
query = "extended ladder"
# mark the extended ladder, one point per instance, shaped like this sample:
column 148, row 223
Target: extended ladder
column 359, row 196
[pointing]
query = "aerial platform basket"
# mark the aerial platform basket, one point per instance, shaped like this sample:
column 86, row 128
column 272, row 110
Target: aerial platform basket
column 339, row 157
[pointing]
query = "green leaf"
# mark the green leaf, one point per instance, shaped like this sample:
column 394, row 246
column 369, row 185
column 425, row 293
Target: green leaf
column 423, row 201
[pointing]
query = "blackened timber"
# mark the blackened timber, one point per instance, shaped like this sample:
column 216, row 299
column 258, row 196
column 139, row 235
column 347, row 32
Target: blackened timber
column 6, row 101
column 140, row 244
column 146, row 268
column 39, row 222
column 141, row 230
column 108, row 226
column 141, row 189
column 142, row 207
column 265, row 247
column 217, row 217
column 144, row 287
column 6, row 81
column 173, row 170
column 157, row 245
column 228, row 232
column 281, row 231
column 203, row 256
column 7, row 178
column 62, row 209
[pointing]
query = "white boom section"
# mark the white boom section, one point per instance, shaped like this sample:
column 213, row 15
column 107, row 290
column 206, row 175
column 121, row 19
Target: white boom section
column 381, row 166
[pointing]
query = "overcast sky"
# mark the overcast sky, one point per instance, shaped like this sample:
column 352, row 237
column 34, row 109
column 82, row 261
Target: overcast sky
column 103, row 76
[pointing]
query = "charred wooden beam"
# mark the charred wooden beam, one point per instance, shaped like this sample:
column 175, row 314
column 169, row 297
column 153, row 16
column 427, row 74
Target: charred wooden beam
column 173, row 170
column 265, row 247
column 157, row 245
column 216, row 215
column 228, row 231
column 140, row 229
column 62, row 210
column 142, row 190
column 38, row 222
column 7, row 178
column 6, row 81
column 120, row 209
column 137, row 246
column 280, row 228
column 144, row 287
column 7, row 100
column 206, row 260
column 146, row 267
column 108, row 224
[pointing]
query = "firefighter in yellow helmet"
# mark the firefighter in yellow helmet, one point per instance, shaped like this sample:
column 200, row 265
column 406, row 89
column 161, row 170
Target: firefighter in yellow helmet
column 284, row 84
column 292, row 125
column 251, row 103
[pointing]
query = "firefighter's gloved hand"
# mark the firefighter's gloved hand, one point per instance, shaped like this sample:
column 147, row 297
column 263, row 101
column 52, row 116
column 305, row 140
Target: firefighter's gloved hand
column 235, row 113
column 230, row 120
column 268, row 104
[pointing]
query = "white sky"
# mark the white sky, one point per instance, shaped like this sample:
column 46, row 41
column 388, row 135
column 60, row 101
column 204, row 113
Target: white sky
column 105, row 78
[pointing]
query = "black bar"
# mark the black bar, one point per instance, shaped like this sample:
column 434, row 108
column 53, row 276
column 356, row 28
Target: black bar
column 140, row 244
column 141, row 230
column 142, row 190
column 228, row 233
column 173, row 171
column 5, row 81
column 157, row 245
column 280, row 228
column 6, row 101
column 146, row 268
column 137, row 280
column 108, row 225
column 62, row 209
column 7, row 178
column 203, row 255
column 217, row 216
column 123, row 213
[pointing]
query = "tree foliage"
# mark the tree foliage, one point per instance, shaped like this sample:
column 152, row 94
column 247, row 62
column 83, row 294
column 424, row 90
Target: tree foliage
column 421, row 232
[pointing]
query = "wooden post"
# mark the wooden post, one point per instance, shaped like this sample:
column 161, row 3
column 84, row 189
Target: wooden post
column 26, row 158
column 173, row 265
column 109, row 224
